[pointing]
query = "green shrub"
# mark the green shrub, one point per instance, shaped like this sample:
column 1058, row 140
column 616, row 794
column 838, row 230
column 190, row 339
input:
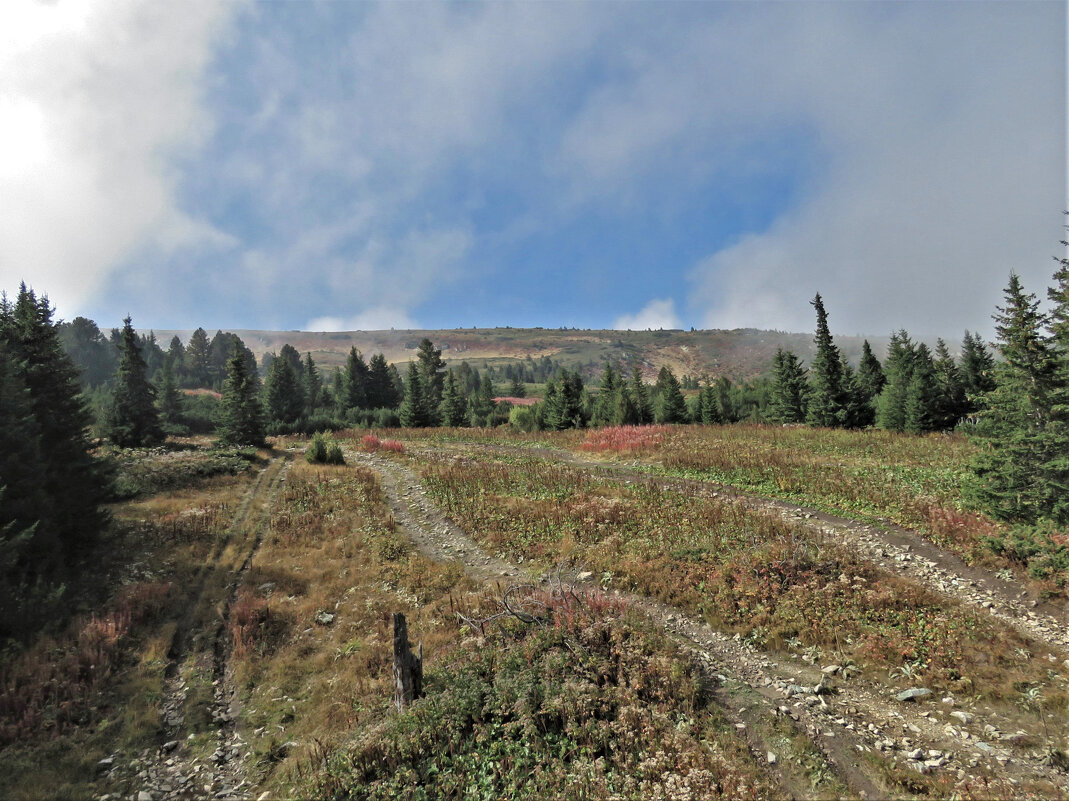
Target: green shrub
column 323, row 450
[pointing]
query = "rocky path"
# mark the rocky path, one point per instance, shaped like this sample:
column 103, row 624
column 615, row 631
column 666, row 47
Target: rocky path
column 182, row 769
column 848, row 717
column 895, row 549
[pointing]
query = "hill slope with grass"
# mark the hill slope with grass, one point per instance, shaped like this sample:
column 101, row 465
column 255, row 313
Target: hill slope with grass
column 738, row 354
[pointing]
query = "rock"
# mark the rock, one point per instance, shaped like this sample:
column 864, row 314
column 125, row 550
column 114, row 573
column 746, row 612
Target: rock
column 145, row 795
column 831, row 670
column 916, row 754
column 324, row 618
column 586, row 575
column 105, row 765
column 171, row 745
column 771, row 758
column 913, row 694
column 961, row 715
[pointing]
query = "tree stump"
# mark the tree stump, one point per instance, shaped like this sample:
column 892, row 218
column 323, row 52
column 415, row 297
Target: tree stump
column 407, row 666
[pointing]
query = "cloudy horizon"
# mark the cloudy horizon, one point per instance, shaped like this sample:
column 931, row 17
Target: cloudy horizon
column 353, row 166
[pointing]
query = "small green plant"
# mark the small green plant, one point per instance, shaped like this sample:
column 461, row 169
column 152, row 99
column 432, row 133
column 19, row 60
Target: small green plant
column 324, row 450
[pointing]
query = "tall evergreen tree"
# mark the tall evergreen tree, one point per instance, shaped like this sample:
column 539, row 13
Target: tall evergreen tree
column 607, row 404
column 789, row 388
column 432, row 372
column 312, row 383
column 1009, row 469
column 413, row 411
column 827, row 405
column 198, row 359
column 133, row 420
column 708, row 411
column 977, row 369
column 671, row 408
column 951, row 404
column 75, row 483
column 283, row 392
column 92, row 352
column 922, row 394
column 870, row 380
column 169, row 400
column 241, row 413
column 640, row 396
column 1055, row 468
column 356, row 380
column 454, row 410
column 381, row 392
column 898, row 370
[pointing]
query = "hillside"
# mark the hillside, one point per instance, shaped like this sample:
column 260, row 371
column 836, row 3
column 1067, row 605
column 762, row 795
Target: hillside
column 739, row 354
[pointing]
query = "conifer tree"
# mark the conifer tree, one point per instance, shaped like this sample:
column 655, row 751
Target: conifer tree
column 454, row 410
column 898, row 370
column 75, row 482
column 381, row 393
column 951, row 404
column 1055, row 468
column 606, row 405
column 413, row 411
column 133, row 420
column 641, row 397
column 708, row 411
column 283, row 392
column 312, row 384
column 482, row 402
column 1009, row 471
column 922, row 394
column 789, row 388
column 671, row 406
column 241, row 413
column 356, row 380
column 725, row 407
column 197, row 359
column 977, row 369
column 169, row 399
column 827, row 394
column 517, row 389
column 432, row 372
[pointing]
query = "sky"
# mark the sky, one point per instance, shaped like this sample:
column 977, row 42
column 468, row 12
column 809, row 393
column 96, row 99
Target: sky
column 345, row 166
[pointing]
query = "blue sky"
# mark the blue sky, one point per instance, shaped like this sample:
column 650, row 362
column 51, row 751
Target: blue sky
column 347, row 165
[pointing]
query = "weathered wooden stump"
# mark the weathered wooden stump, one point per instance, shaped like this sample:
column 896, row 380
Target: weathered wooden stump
column 407, row 666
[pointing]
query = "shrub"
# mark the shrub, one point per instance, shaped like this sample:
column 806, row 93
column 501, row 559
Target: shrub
column 323, row 450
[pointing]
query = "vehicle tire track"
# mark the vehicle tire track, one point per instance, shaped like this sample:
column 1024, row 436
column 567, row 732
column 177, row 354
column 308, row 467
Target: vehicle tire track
column 717, row 656
column 894, row 548
column 172, row 773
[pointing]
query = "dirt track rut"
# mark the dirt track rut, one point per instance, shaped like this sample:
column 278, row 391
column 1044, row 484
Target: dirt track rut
column 845, row 719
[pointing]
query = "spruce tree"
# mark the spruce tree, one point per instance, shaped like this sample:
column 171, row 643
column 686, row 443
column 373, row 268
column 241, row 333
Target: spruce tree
column 241, row 413
column 671, row 408
column 1055, row 468
column 454, row 409
column 708, row 408
column 641, row 397
column 977, row 370
column 725, row 407
column 413, row 411
column 432, row 372
column 356, row 380
column 922, row 394
column 827, row 394
column 381, row 393
column 197, row 360
column 132, row 419
column 283, row 392
column 75, row 482
column 951, row 404
column 482, row 404
column 898, row 370
column 789, row 388
column 606, row 405
column 169, row 400
column 1009, row 470
column 312, row 384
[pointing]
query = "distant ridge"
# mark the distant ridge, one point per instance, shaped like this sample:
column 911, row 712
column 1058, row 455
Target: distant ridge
column 738, row 354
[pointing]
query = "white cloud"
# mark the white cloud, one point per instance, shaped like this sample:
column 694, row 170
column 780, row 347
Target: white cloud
column 377, row 319
column 655, row 314
column 98, row 99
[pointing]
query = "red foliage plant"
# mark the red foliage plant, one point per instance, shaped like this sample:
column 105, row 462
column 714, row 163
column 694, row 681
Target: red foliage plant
column 624, row 439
